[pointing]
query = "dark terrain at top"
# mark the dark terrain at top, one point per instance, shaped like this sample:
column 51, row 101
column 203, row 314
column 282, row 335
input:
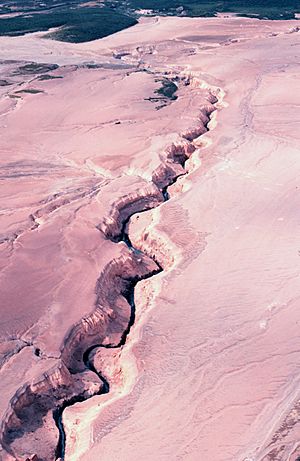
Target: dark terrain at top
column 81, row 21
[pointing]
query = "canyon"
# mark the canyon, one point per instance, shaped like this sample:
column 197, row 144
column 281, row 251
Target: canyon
column 149, row 246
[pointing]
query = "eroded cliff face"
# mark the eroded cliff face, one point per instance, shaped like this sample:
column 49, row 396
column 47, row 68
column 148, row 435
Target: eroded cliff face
column 110, row 321
column 172, row 164
column 32, row 426
column 29, row 426
column 113, row 225
column 174, row 157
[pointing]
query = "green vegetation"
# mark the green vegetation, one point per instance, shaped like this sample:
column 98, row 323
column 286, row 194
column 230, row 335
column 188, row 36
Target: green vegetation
column 271, row 9
column 34, row 68
column 30, row 91
column 166, row 93
column 78, row 22
column 49, row 77
column 167, row 90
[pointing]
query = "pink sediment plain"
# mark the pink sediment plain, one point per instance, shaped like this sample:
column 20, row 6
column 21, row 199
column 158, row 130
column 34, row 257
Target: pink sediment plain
column 210, row 367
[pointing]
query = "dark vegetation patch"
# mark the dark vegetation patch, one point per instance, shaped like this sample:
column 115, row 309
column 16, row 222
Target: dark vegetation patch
column 30, row 91
column 168, row 89
column 165, row 93
column 270, row 9
column 78, row 22
column 107, row 65
column 5, row 83
column 34, row 68
column 49, row 77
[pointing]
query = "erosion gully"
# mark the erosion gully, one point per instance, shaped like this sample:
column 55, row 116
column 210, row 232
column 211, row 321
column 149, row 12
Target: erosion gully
column 129, row 296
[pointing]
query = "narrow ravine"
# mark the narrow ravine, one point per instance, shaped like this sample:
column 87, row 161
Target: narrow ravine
column 129, row 295
column 57, row 413
column 75, row 378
